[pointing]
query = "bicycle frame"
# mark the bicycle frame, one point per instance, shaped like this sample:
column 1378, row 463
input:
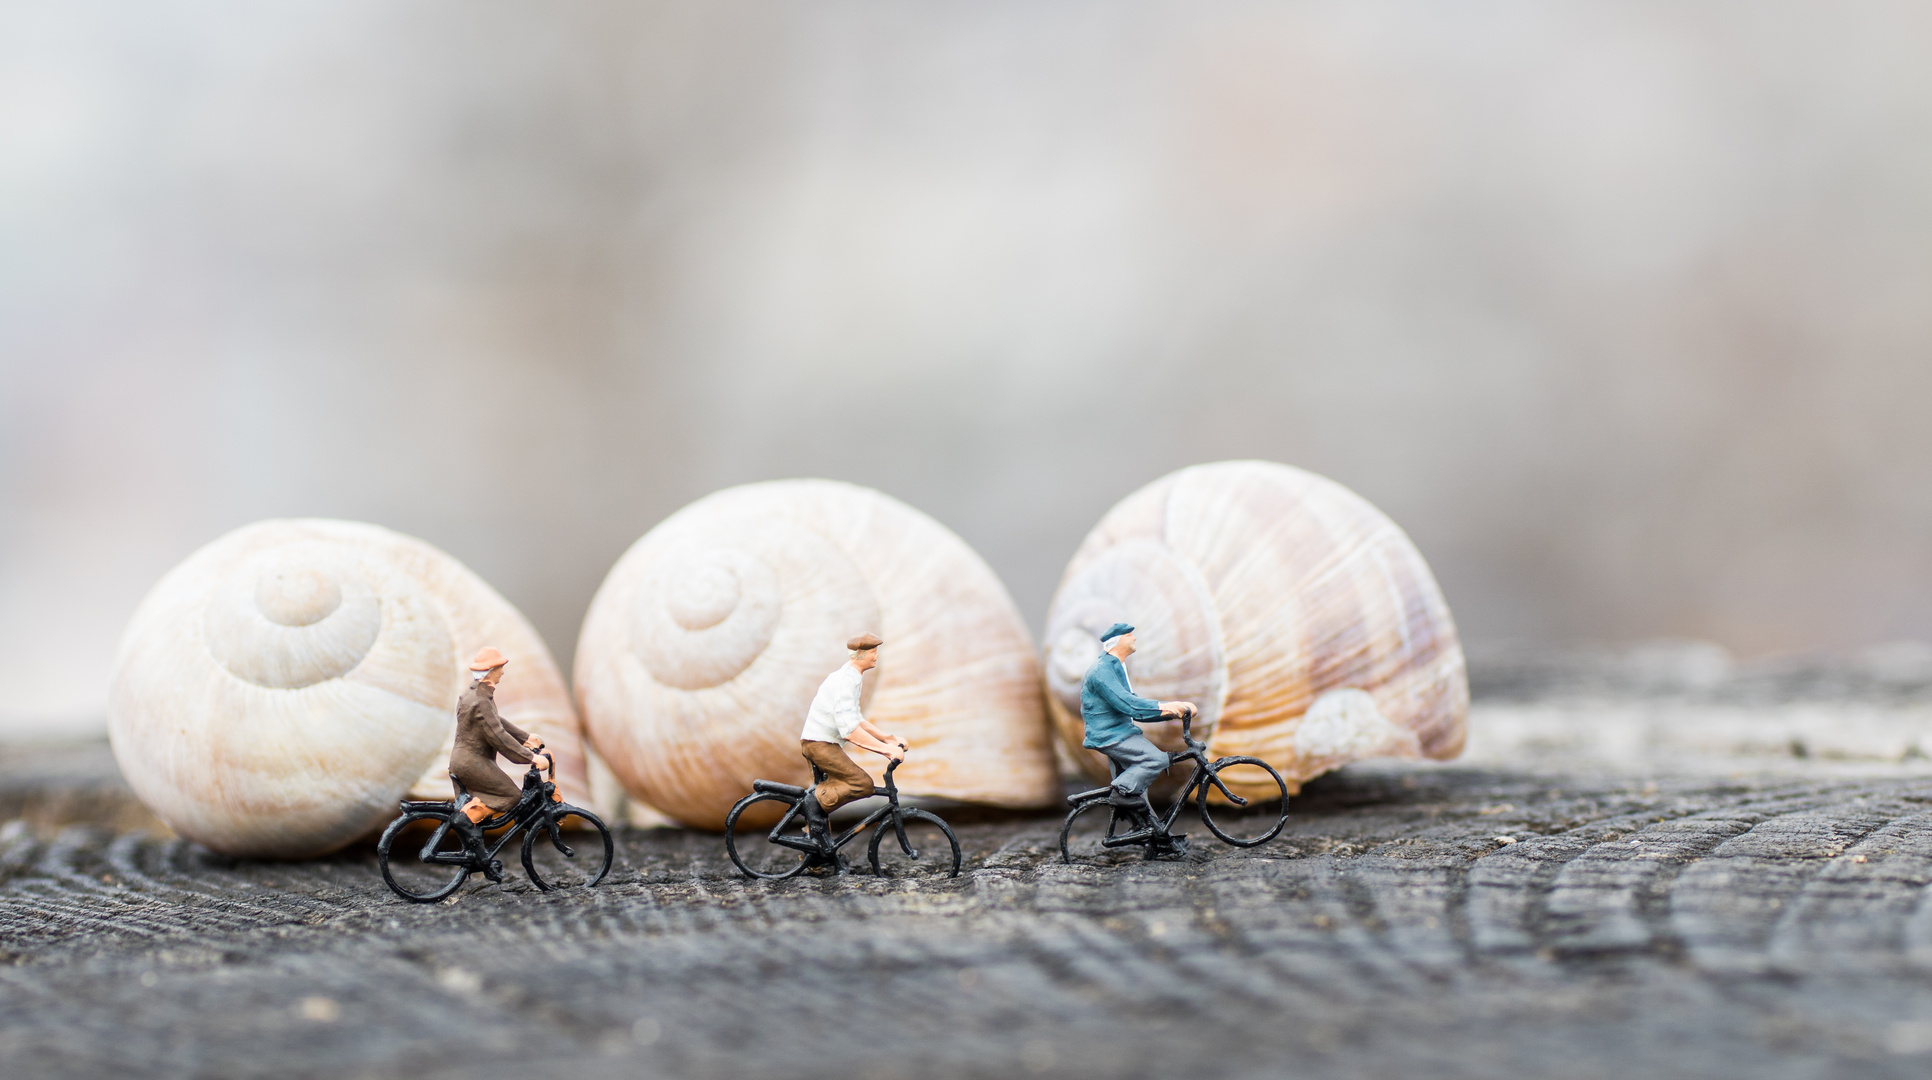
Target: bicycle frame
column 890, row 809
column 532, row 809
column 1203, row 775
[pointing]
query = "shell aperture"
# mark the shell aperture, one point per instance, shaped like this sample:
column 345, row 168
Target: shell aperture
column 1180, row 655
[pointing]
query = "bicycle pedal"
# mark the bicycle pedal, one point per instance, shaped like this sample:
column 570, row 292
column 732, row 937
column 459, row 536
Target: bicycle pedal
column 1173, row 850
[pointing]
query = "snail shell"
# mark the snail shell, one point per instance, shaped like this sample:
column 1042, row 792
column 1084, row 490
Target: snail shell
column 702, row 650
column 1299, row 618
column 279, row 691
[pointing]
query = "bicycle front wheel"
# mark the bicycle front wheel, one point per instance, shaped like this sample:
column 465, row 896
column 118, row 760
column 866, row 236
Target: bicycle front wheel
column 1263, row 808
column 752, row 852
column 926, row 839
column 577, row 856
column 411, row 857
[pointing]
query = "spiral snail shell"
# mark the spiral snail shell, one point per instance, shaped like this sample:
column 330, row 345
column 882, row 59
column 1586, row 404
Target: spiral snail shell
column 703, row 648
column 277, row 693
column 1299, row 618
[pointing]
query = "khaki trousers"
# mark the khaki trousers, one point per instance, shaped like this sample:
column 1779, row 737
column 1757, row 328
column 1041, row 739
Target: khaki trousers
column 844, row 780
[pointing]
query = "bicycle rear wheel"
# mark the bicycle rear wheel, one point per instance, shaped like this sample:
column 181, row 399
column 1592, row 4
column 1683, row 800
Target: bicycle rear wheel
column 752, row 852
column 1266, row 801
column 1086, row 826
column 402, row 853
column 580, row 855
column 931, row 839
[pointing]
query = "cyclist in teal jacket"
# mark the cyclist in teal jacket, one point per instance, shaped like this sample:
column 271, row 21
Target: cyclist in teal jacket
column 1110, row 709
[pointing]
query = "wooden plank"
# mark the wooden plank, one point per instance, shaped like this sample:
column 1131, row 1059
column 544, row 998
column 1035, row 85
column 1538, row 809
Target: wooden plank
column 1687, row 922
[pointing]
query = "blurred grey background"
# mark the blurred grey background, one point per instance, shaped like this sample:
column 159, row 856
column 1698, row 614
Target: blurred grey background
column 1620, row 309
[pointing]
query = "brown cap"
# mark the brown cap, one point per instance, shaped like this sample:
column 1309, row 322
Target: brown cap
column 486, row 658
column 863, row 642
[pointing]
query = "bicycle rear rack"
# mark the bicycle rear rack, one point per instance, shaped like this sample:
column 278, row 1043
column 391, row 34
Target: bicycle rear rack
column 773, row 787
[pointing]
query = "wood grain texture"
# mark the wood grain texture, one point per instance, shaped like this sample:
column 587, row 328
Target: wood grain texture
column 1764, row 924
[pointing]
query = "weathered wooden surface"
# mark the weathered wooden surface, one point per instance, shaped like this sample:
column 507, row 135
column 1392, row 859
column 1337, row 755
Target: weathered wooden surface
column 1767, row 924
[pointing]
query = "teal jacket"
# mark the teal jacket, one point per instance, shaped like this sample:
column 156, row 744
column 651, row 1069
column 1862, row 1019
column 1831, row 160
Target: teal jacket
column 1108, row 707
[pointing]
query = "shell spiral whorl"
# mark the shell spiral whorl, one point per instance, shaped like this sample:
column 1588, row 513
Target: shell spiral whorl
column 703, row 648
column 1301, row 619
column 292, row 616
column 277, row 692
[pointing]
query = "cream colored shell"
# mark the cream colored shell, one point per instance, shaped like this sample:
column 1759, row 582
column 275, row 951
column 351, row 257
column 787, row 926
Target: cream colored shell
column 1299, row 618
column 702, row 651
column 277, row 693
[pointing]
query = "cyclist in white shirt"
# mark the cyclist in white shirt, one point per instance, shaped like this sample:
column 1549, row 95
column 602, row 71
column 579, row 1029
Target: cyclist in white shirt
column 833, row 721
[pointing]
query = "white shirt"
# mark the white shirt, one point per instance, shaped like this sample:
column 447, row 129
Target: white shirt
column 835, row 714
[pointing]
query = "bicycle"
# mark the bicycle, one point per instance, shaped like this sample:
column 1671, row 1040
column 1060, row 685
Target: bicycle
column 1226, row 821
column 442, row 864
column 791, row 849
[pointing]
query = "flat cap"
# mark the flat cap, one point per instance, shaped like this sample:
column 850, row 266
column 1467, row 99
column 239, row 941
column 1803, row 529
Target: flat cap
column 863, row 642
column 1116, row 630
column 486, row 658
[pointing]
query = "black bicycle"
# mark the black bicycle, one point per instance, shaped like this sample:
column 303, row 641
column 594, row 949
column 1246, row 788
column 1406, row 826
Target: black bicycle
column 790, row 850
column 1242, row 800
column 441, row 865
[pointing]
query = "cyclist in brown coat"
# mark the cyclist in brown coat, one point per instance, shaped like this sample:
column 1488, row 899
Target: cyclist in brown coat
column 482, row 734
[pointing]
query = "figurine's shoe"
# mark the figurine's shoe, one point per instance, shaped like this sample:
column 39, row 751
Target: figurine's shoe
column 494, row 871
column 1129, row 804
column 474, row 847
column 818, row 824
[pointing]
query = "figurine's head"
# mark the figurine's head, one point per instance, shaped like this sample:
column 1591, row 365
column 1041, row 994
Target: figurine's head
column 865, row 651
column 487, row 665
column 1119, row 640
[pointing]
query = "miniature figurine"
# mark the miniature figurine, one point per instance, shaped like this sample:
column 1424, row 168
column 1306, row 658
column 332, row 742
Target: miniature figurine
column 834, row 720
column 790, row 854
column 1242, row 800
column 427, row 870
column 481, row 734
column 1109, row 708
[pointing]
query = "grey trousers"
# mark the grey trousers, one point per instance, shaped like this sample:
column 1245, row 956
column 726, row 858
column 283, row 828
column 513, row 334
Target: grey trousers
column 1139, row 762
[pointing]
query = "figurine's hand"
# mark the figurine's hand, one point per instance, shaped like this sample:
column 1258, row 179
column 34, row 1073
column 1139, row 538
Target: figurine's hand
column 899, row 754
column 1175, row 710
column 533, row 743
column 541, row 761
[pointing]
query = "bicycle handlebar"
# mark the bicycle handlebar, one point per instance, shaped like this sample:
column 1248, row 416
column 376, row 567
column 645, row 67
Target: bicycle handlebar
column 548, row 753
column 1187, row 730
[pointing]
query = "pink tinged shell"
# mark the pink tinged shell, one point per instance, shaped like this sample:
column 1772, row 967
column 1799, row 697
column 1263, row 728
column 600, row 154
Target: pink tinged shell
column 1299, row 617
column 700, row 655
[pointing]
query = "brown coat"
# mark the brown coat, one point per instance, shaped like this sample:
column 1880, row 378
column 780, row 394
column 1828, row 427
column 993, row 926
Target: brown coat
column 480, row 736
